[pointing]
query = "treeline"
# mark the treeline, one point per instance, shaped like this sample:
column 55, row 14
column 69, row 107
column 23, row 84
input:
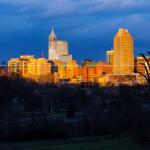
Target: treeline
column 29, row 110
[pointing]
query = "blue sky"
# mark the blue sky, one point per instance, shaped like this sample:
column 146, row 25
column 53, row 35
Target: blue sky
column 88, row 25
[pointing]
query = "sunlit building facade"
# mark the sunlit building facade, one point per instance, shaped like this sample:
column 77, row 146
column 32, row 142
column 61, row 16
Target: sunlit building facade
column 140, row 64
column 88, row 71
column 109, row 57
column 53, row 46
column 39, row 70
column 72, row 70
column 30, row 68
column 60, row 67
column 103, row 68
column 123, row 57
column 58, row 70
column 19, row 65
column 58, row 50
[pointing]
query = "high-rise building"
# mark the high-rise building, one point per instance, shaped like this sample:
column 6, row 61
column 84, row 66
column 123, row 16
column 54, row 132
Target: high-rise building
column 123, row 57
column 109, row 57
column 53, row 46
column 58, row 50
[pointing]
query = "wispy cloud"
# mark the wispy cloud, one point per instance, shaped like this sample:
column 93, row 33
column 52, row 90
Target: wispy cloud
column 63, row 7
column 97, row 19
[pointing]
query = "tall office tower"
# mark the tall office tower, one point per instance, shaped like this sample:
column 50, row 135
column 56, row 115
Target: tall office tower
column 123, row 57
column 53, row 46
column 62, row 47
column 58, row 50
column 109, row 57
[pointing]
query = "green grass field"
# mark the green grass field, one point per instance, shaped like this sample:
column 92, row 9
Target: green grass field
column 99, row 144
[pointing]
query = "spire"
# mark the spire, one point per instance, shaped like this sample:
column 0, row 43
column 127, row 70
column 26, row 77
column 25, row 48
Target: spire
column 52, row 30
column 53, row 35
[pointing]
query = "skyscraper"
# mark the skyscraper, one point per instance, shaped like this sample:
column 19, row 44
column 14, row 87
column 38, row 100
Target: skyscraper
column 58, row 50
column 123, row 57
column 53, row 46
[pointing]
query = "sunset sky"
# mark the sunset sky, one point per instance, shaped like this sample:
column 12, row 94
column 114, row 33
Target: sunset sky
column 88, row 25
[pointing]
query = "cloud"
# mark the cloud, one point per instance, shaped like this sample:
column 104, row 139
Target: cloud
column 82, row 13
column 119, row 4
column 74, row 19
column 50, row 8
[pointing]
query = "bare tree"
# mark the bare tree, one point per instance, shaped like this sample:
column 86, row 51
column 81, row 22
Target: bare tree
column 147, row 68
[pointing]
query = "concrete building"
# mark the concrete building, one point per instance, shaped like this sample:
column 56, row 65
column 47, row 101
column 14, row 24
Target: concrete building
column 88, row 71
column 39, row 70
column 72, row 71
column 19, row 65
column 30, row 68
column 103, row 68
column 109, row 57
column 138, row 64
column 65, row 58
column 58, row 70
column 58, row 50
column 123, row 57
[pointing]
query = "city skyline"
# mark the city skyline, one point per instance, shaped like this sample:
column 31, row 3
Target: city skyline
column 45, row 53
column 87, row 26
column 61, row 68
column 74, row 74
